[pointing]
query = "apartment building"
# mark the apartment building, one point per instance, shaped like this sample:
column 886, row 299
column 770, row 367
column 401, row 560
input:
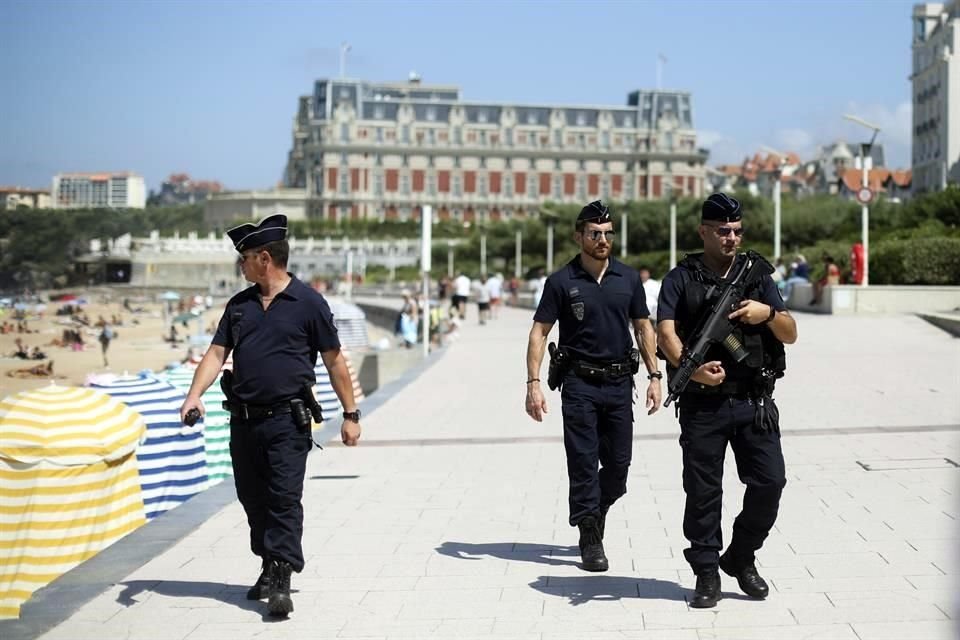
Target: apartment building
column 99, row 190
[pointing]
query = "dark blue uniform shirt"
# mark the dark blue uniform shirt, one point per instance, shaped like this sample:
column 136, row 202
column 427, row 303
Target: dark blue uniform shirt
column 595, row 317
column 275, row 350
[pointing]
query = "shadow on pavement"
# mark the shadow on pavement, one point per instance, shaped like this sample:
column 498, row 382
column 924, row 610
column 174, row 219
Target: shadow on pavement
column 232, row 594
column 515, row 551
column 580, row 590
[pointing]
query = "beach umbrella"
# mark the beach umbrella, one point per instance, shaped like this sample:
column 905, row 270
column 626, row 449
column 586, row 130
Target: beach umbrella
column 215, row 425
column 326, row 396
column 351, row 324
column 172, row 461
column 70, row 484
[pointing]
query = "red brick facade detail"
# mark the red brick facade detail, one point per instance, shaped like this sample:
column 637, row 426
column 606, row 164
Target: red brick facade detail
column 332, row 178
column 616, row 183
column 393, row 180
column 494, row 182
column 418, row 179
column 469, row 181
column 519, row 182
column 691, row 185
column 568, row 184
column 443, row 181
column 354, row 180
column 544, row 184
column 391, row 213
column 593, row 184
column 656, row 191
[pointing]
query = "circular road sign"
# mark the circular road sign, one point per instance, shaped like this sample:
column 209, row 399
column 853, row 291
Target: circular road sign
column 864, row 195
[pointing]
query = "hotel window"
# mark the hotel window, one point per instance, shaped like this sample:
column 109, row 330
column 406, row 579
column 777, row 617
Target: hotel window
column 405, row 183
column 531, row 186
column 482, row 185
column 457, row 135
column 482, row 116
column 581, row 186
column 557, row 187
column 604, row 139
column 432, row 184
column 508, row 137
column 508, row 185
column 483, row 137
column 344, row 180
column 457, row 186
column 431, row 137
column 378, row 183
column 344, row 132
column 558, row 138
column 405, row 134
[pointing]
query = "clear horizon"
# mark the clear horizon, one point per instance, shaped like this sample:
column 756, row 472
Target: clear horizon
column 210, row 89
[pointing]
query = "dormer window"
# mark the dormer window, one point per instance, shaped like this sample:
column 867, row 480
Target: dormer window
column 581, row 119
column 432, row 114
column 482, row 116
column 531, row 117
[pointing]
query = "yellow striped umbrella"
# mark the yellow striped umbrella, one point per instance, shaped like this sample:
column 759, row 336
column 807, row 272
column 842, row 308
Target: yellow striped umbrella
column 70, row 484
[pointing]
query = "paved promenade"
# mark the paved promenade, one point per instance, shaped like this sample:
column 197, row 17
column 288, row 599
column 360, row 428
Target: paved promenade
column 449, row 521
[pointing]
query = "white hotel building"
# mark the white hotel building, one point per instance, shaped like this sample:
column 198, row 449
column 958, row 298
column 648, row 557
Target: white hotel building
column 936, row 95
column 99, row 190
column 383, row 150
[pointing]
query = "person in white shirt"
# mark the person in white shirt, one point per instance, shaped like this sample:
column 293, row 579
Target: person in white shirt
column 483, row 299
column 651, row 287
column 495, row 287
column 539, row 284
column 461, row 291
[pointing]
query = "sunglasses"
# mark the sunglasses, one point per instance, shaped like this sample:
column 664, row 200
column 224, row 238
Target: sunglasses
column 243, row 257
column 595, row 235
column 723, row 232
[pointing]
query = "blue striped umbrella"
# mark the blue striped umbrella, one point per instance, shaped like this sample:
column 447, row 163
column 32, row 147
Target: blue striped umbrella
column 171, row 461
column 351, row 324
column 215, row 424
column 323, row 390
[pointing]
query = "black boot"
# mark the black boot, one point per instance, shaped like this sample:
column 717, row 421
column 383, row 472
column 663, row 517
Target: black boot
column 707, row 592
column 262, row 588
column 280, row 603
column 602, row 520
column 591, row 546
column 747, row 577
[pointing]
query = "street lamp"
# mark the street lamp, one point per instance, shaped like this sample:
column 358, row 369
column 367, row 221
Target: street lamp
column 518, row 257
column 550, row 219
column 483, row 251
column 668, row 192
column 623, row 234
column 776, row 199
column 867, row 195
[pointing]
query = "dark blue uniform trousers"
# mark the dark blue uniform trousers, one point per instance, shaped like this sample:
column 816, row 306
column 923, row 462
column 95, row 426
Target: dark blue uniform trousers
column 269, row 462
column 707, row 424
column 597, row 430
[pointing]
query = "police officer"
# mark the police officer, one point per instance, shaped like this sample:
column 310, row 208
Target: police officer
column 726, row 402
column 596, row 299
column 274, row 329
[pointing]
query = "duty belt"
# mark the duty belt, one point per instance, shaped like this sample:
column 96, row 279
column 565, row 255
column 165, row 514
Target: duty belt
column 590, row 370
column 256, row 411
column 727, row 388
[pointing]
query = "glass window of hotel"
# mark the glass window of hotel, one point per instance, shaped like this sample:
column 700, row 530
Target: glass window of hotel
column 405, row 134
column 432, row 184
column 605, row 188
column 483, row 137
column 531, row 186
column 558, row 138
column 482, row 185
column 405, row 183
column 344, row 181
column 581, row 186
column 431, row 136
column 457, row 186
column 508, row 136
column 557, row 187
column 379, row 134
column 344, row 132
column 378, row 183
column 628, row 187
column 508, row 184
column 604, row 139
column 582, row 140
column 318, row 183
column 457, row 135
column 482, row 115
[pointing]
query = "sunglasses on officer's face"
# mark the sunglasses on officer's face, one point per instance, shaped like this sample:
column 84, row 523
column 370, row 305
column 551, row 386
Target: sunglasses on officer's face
column 595, row 234
column 724, row 231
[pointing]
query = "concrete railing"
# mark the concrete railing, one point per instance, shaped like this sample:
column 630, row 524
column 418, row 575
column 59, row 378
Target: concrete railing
column 853, row 299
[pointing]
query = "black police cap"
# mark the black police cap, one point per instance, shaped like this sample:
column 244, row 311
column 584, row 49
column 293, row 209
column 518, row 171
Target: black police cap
column 248, row 236
column 721, row 208
column 596, row 211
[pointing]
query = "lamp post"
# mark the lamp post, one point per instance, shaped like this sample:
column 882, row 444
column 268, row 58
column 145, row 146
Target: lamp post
column 450, row 246
column 483, row 251
column 426, row 243
column 623, row 233
column 865, row 211
column 776, row 199
column 518, row 256
column 668, row 191
column 550, row 219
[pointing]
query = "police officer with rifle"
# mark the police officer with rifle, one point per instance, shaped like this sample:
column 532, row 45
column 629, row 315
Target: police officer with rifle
column 722, row 326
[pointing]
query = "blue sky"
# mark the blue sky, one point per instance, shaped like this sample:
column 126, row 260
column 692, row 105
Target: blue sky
column 210, row 88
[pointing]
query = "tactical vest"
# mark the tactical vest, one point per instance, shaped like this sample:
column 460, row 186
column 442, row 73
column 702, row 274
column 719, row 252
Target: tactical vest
column 763, row 349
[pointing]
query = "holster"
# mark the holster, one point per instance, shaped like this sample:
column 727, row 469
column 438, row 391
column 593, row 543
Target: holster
column 634, row 361
column 316, row 411
column 559, row 361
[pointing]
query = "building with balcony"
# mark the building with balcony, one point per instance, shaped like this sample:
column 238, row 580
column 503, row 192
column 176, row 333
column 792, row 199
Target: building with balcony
column 936, row 95
column 383, row 150
column 18, row 197
column 99, row 190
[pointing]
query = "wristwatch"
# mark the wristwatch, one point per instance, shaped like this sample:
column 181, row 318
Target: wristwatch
column 655, row 374
column 353, row 416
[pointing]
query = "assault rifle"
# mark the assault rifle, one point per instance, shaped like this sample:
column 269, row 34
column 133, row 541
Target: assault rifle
column 713, row 326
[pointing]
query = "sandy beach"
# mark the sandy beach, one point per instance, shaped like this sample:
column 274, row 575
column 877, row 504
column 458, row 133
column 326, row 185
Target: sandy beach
column 138, row 343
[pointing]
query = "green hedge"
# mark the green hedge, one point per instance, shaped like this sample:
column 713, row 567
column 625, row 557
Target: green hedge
column 930, row 261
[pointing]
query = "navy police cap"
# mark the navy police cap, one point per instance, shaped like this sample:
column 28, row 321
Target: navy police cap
column 248, row 236
column 721, row 208
column 596, row 211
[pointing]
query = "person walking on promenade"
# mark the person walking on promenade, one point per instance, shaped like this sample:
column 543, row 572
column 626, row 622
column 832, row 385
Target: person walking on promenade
column 727, row 402
column 274, row 329
column 596, row 300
